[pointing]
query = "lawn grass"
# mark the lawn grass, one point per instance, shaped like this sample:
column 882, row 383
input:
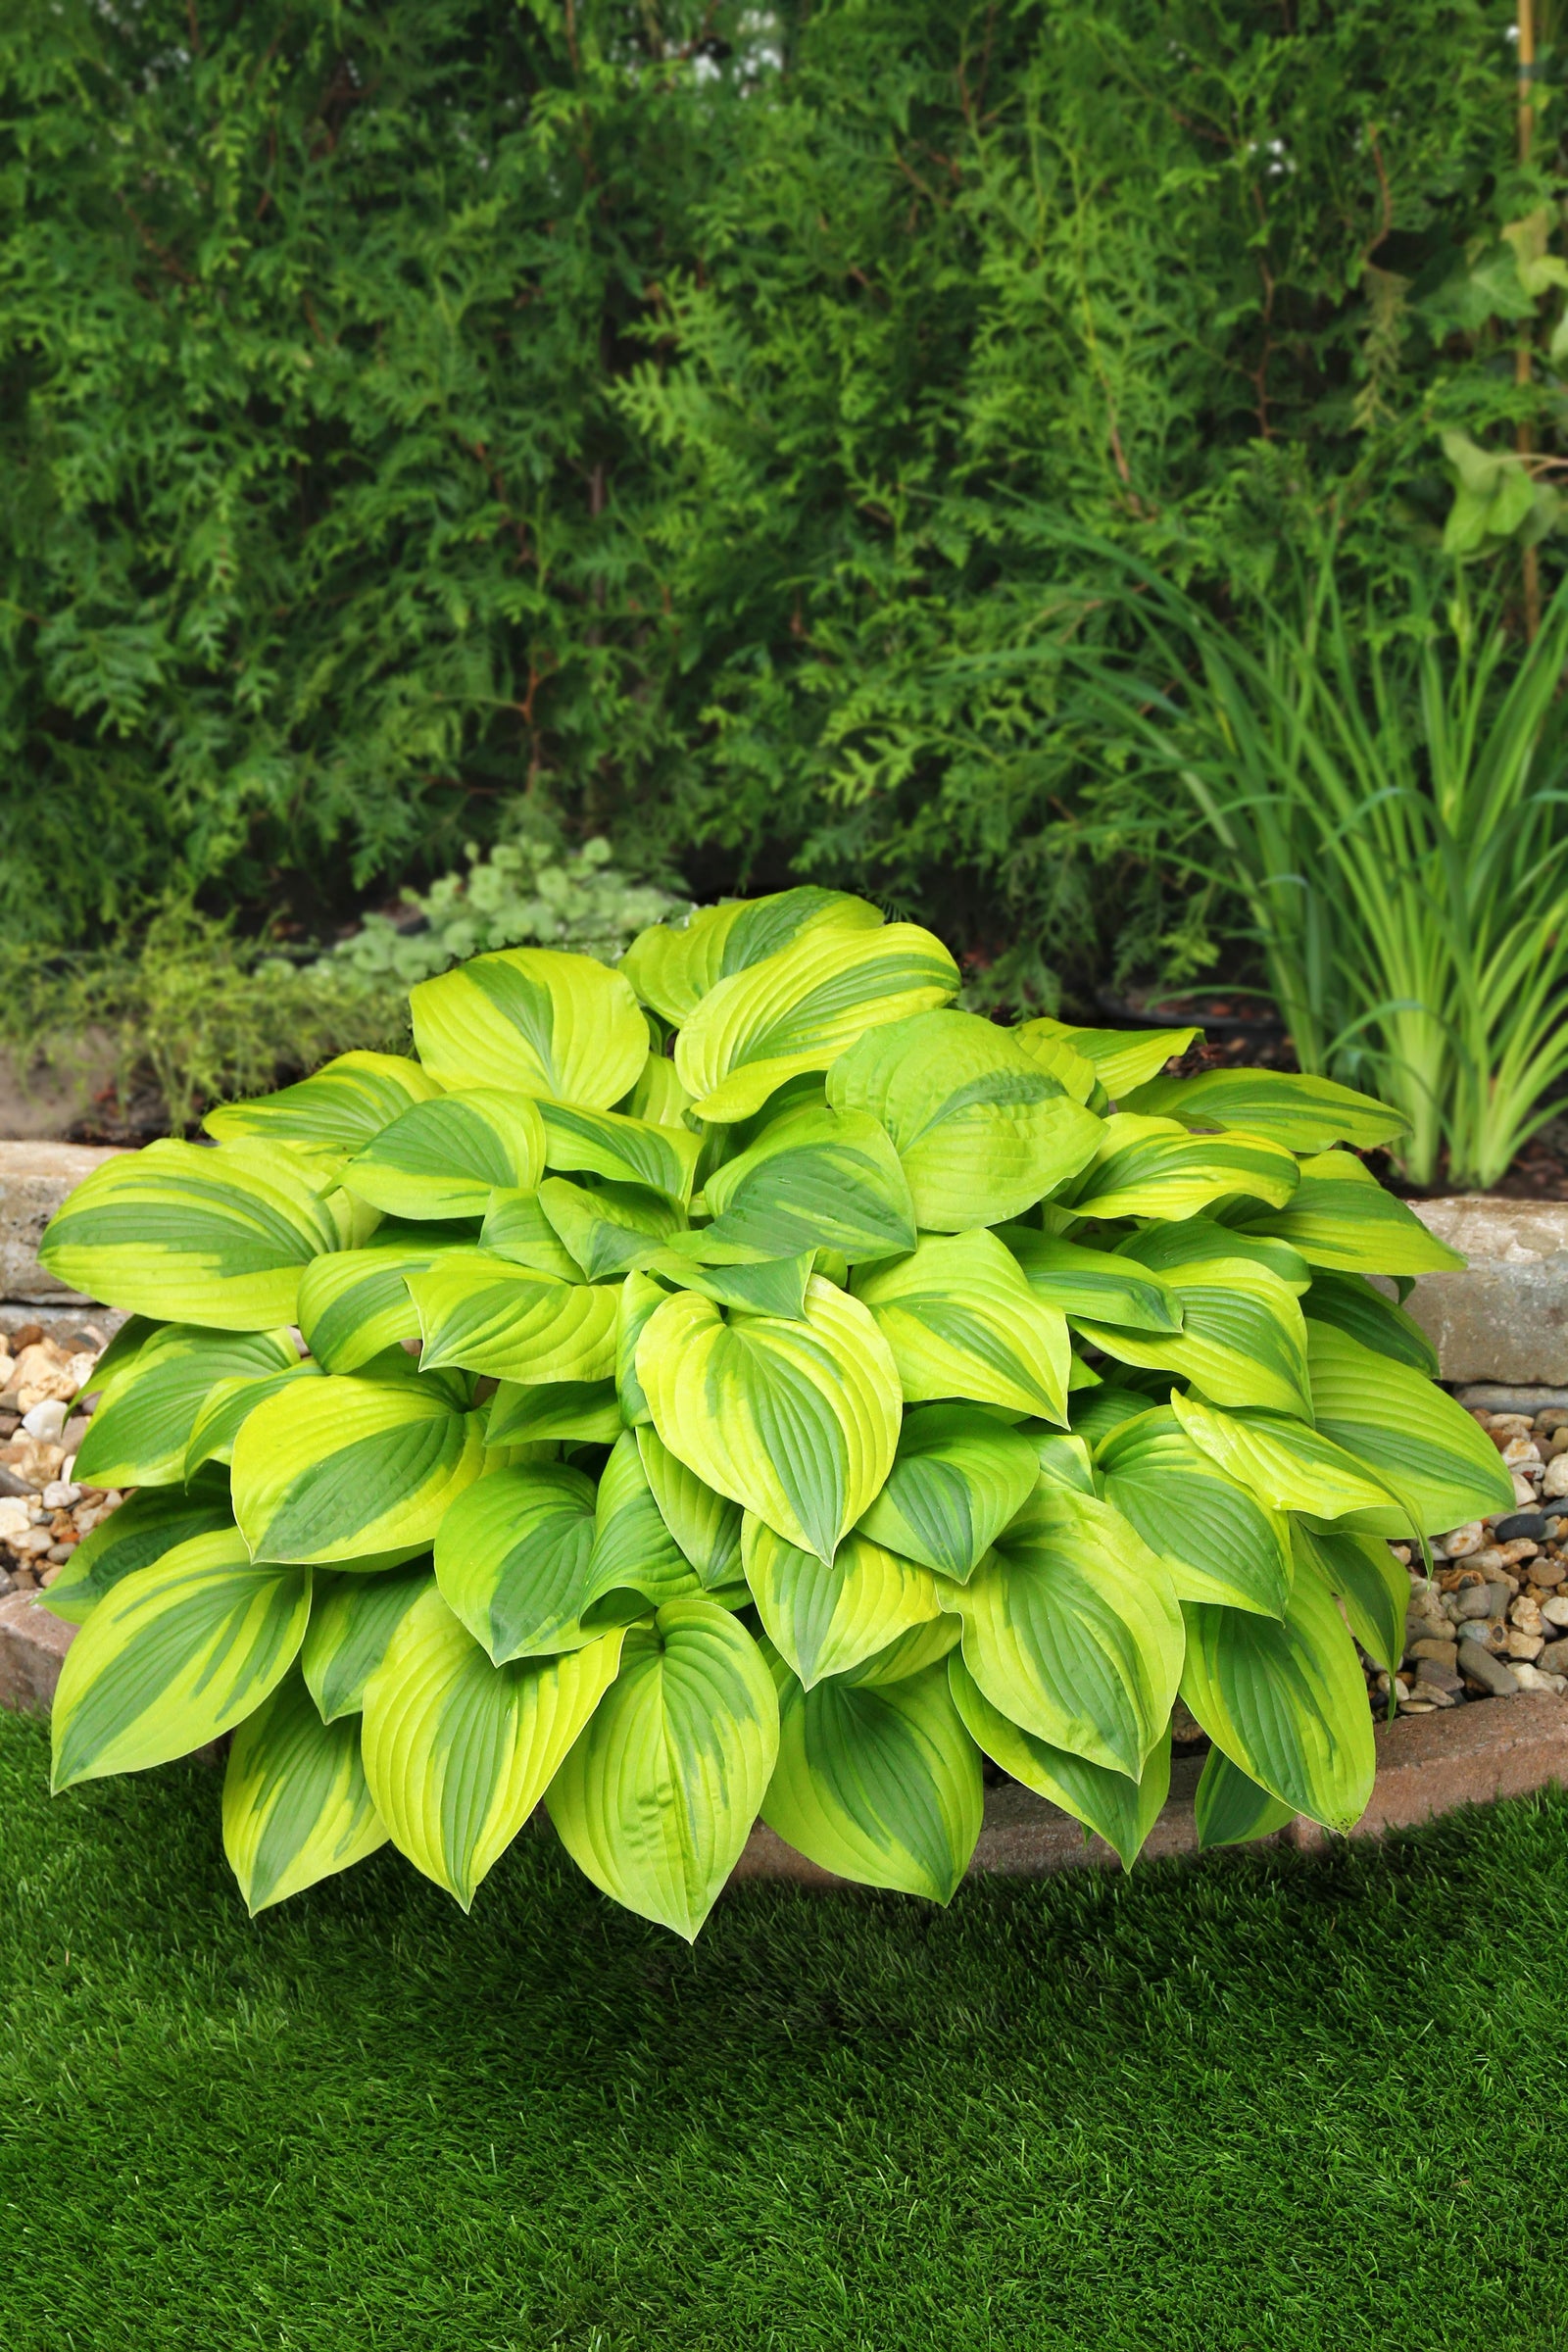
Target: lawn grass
column 1268, row 2102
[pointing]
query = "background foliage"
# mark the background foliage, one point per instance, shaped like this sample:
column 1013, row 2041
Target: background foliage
column 665, row 410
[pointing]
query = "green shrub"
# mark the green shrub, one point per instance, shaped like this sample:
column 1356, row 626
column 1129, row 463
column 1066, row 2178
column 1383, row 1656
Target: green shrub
column 187, row 1014
column 799, row 1414
column 405, row 405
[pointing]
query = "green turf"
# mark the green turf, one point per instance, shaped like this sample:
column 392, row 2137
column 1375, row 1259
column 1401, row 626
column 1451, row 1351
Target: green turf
column 1269, row 2103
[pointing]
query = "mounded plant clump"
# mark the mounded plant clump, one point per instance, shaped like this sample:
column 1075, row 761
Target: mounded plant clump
column 737, row 1383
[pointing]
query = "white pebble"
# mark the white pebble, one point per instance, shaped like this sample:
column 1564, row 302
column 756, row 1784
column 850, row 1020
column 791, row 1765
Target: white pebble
column 1531, row 1678
column 58, row 1495
column 45, row 1420
column 14, row 1519
column 1460, row 1542
column 1556, row 1610
column 1555, row 1482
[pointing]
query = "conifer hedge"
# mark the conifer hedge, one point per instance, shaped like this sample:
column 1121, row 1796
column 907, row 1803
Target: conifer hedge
column 665, row 407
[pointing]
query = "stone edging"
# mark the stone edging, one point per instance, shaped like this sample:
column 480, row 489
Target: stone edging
column 1427, row 1765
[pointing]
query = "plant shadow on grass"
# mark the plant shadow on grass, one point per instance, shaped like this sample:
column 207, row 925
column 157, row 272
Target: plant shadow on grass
column 1270, row 2101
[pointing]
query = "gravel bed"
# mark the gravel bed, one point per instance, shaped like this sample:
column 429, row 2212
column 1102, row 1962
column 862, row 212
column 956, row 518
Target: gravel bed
column 1494, row 1620
column 43, row 1513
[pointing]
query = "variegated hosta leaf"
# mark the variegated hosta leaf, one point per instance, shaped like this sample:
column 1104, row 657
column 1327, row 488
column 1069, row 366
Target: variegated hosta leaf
column 609, row 1229
column 673, row 968
column 1109, row 1407
column 658, row 1096
column 1155, row 1168
column 1197, row 1241
column 1341, row 1217
column 636, row 1299
column 1065, row 1459
column 114, row 1367
column 353, row 1619
column 962, row 1322
column 347, row 1469
column 907, row 1655
column 769, row 1286
column 230, row 1404
column 1115, row 1808
column 138, row 1436
column 1409, row 1432
column 981, row 1129
column 1242, row 1339
column 1374, row 1588
column 795, row 1421
column 956, row 1480
column 458, row 1753
column 587, row 1411
column 535, row 1019
column 1231, row 1808
column 625, row 1151
column 800, row 1008
column 1073, row 1071
column 825, row 1617
column 512, row 1560
column 492, row 1316
column 296, row 1807
column 878, row 1783
column 1305, row 1115
column 1122, row 1058
column 174, row 1654
column 517, row 1228
column 344, row 1103
column 814, row 1179
column 705, row 1524
column 1351, row 1303
column 1286, row 1699
column 659, row 1795
column 192, row 1235
column 1072, row 1630
column 1100, row 1284
column 1289, row 1465
column 1218, row 1542
column 141, row 1531
column 445, row 1157
column 355, row 1305
column 634, row 1554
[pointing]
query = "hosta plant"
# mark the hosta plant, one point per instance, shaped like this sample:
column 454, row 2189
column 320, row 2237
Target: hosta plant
column 737, row 1385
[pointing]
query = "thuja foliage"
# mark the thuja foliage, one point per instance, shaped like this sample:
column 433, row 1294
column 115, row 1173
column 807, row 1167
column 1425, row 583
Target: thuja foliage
column 739, row 1384
column 659, row 403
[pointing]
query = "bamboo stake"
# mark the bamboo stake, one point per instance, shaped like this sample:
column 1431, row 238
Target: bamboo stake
column 1524, row 440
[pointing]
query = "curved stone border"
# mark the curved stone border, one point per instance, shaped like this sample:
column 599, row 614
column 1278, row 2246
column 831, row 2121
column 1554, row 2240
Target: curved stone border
column 1427, row 1765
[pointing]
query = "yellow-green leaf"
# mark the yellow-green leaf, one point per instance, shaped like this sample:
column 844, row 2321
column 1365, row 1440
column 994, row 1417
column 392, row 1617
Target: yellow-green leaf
column 1155, row 1168
column 659, row 1795
column 456, row 1752
column 537, row 1019
column 193, row 1235
column 174, row 1654
column 1072, row 1631
column 797, row 1421
column 672, row 969
column 981, row 1129
column 445, row 1158
column 1120, row 1810
column 957, row 1478
column 1303, row 1113
column 824, row 1617
column 296, row 1806
column 344, row 1103
column 492, row 1316
column 879, row 1783
column 799, row 1009
column 343, row 1469
column 962, row 1322
column 1341, row 1217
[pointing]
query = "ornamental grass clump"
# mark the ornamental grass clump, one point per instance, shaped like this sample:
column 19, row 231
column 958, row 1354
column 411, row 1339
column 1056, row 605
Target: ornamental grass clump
column 738, row 1384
